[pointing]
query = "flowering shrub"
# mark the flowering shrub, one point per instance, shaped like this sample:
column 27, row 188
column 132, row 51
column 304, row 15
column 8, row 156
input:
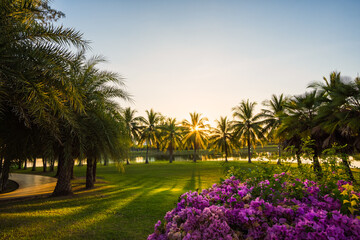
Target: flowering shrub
column 280, row 207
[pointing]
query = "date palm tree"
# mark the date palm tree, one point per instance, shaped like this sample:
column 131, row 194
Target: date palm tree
column 222, row 137
column 300, row 123
column 150, row 130
column 272, row 116
column 171, row 136
column 248, row 126
column 196, row 132
column 33, row 62
column 339, row 115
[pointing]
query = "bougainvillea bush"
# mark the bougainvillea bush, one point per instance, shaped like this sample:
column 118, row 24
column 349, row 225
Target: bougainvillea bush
column 280, row 207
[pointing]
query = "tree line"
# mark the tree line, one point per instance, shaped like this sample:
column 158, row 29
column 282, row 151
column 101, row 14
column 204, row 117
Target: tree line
column 326, row 116
column 55, row 103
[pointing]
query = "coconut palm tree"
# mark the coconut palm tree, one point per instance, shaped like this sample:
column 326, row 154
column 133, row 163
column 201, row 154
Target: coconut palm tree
column 339, row 115
column 133, row 126
column 150, row 130
column 100, row 129
column 171, row 136
column 222, row 137
column 300, row 123
column 196, row 132
column 272, row 116
column 248, row 127
column 34, row 57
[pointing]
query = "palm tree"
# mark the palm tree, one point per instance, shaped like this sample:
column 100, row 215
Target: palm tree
column 248, row 127
column 171, row 136
column 300, row 123
column 150, row 130
column 101, row 129
column 339, row 115
column 34, row 57
column 196, row 132
column 132, row 124
column 222, row 137
column 273, row 117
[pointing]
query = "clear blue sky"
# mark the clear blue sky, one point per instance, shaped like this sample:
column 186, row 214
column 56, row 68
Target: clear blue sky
column 206, row 56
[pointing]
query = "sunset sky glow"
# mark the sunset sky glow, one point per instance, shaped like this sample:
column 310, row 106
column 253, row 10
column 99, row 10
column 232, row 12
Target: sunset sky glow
column 206, row 56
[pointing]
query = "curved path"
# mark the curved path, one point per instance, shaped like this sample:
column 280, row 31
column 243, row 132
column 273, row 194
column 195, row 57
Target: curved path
column 29, row 186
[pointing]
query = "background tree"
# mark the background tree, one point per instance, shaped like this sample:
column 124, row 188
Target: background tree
column 222, row 138
column 195, row 132
column 248, row 127
column 171, row 136
column 133, row 126
column 150, row 130
column 272, row 117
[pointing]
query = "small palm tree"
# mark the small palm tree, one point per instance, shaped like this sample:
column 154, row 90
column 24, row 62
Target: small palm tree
column 222, row 137
column 196, row 132
column 132, row 124
column 248, row 127
column 171, row 136
column 273, row 116
column 150, row 130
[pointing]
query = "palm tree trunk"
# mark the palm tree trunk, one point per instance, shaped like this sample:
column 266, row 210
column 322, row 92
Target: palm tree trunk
column 94, row 170
column 34, row 165
column 89, row 173
column 44, row 164
column 317, row 167
column 347, row 168
column 52, row 164
column 1, row 164
column 194, row 159
column 249, row 149
column 171, row 152
column 147, row 152
column 279, row 151
column 25, row 164
column 72, row 170
column 63, row 185
column 5, row 174
column 60, row 165
column 226, row 154
column 298, row 159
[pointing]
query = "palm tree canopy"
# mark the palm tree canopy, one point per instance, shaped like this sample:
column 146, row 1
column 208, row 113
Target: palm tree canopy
column 171, row 134
column 222, row 137
column 132, row 123
column 274, row 113
column 150, row 128
column 248, row 127
column 196, row 131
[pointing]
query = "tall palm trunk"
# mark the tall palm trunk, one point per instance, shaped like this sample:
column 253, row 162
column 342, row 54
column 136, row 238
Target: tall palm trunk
column 89, row 173
column 279, row 152
column 298, row 159
column 249, row 149
column 171, row 152
column 147, row 153
column 63, row 185
column 44, row 164
column 226, row 151
column 317, row 167
column 94, row 170
column 34, row 165
column 348, row 169
column 5, row 174
column 194, row 158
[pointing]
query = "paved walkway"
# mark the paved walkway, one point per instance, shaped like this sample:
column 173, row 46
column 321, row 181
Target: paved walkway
column 29, row 186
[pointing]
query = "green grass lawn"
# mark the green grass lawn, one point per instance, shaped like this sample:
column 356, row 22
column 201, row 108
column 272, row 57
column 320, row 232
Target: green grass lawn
column 122, row 206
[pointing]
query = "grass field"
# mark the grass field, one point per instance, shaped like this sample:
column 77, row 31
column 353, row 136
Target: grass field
column 122, row 206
